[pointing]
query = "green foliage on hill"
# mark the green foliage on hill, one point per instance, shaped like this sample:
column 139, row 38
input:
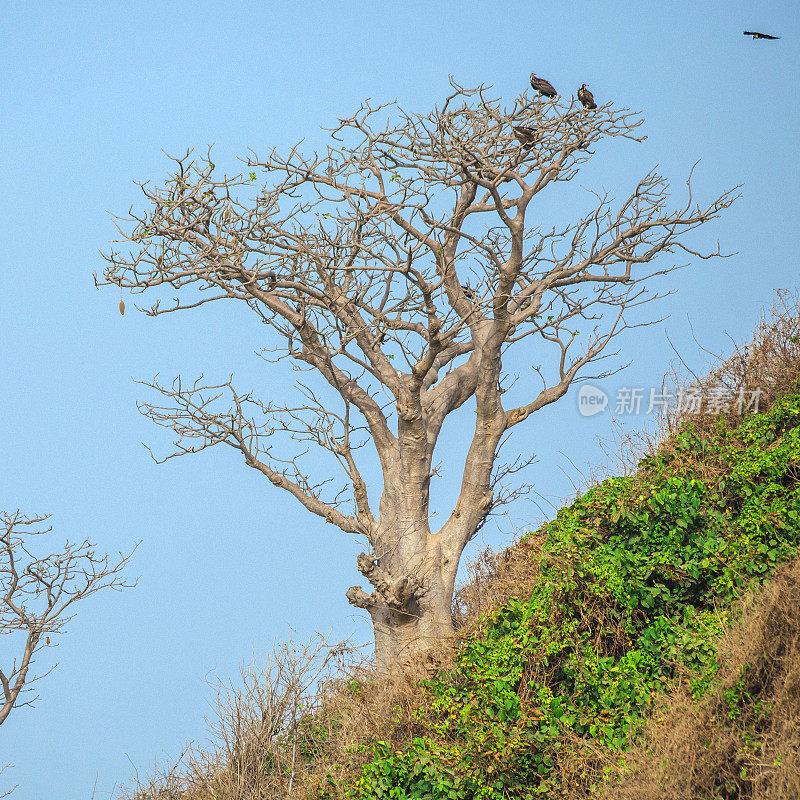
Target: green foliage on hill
column 636, row 580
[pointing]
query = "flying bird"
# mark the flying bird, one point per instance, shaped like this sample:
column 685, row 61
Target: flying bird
column 542, row 86
column 526, row 135
column 586, row 97
column 757, row 35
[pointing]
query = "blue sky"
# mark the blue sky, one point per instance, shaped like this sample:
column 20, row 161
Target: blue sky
column 90, row 95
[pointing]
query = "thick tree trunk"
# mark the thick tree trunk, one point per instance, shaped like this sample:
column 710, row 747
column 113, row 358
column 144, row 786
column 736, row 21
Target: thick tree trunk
column 420, row 625
column 413, row 577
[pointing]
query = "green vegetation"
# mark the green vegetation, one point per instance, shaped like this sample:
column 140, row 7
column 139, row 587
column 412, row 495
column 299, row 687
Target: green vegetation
column 637, row 579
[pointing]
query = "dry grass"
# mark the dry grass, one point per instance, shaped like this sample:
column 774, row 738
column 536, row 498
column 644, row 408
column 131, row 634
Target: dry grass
column 742, row 742
column 265, row 730
column 367, row 707
column 769, row 364
column 494, row 578
column 292, row 720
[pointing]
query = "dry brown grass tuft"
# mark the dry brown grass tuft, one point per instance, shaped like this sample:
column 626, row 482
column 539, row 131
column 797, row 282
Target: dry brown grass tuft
column 769, row 364
column 267, row 729
column 743, row 741
column 293, row 719
column 363, row 707
column 495, row 578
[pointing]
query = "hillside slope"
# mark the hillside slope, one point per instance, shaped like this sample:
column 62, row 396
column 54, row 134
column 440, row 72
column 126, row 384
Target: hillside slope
column 629, row 602
column 634, row 586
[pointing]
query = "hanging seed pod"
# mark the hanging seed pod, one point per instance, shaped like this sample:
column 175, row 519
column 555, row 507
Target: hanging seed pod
column 48, row 640
column 227, row 213
column 122, row 307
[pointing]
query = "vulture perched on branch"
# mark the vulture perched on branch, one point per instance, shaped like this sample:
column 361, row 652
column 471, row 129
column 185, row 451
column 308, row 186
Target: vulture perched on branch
column 586, row 97
column 526, row 136
column 542, row 86
column 757, row 35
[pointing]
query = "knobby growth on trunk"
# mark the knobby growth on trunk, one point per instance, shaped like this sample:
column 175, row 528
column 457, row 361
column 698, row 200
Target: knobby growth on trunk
column 400, row 264
column 37, row 592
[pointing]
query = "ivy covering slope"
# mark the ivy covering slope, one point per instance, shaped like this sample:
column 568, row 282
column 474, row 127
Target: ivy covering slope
column 635, row 582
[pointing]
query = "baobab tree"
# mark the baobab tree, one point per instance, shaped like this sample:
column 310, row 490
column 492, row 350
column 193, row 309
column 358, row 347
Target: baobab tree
column 38, row 590
column 400, row 265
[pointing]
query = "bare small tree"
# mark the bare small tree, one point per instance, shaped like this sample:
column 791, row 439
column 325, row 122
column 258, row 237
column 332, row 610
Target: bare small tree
column 37, row 592
column 400, row 265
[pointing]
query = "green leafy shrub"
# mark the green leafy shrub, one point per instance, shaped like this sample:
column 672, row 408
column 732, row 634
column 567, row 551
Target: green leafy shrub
column 741, row 740
column 634, row 583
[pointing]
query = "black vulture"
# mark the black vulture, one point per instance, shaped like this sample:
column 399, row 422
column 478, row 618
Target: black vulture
column 542, row 86
column 757, row 35
column 526, row 136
